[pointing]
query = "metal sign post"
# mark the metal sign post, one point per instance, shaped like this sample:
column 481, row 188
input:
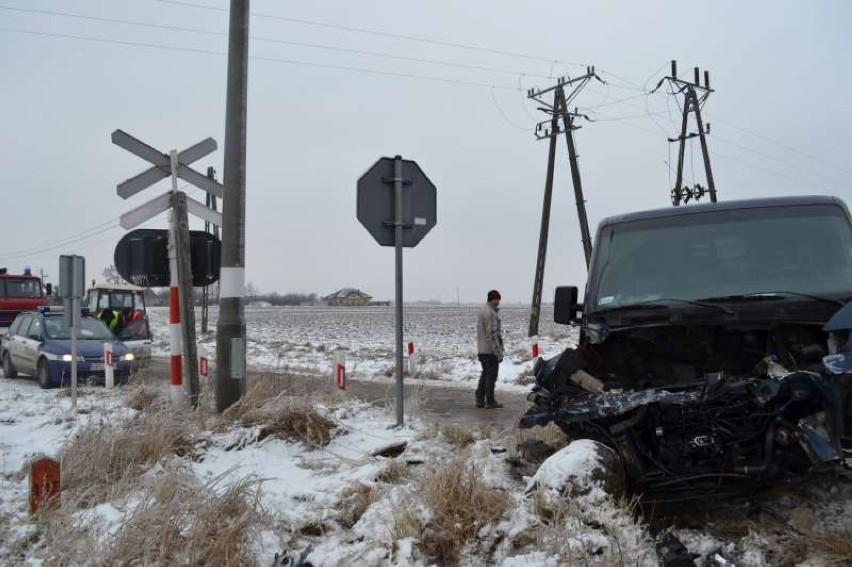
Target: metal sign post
column 72, row 275
column 400, row 218
column 397, row 242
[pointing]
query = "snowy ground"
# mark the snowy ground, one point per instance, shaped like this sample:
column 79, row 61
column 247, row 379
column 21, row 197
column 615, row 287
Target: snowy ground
column 451, row 496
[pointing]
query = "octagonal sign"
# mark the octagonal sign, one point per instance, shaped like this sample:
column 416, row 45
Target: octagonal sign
column 375, row 208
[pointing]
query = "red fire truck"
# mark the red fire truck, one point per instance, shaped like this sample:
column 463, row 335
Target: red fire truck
column 19, row 293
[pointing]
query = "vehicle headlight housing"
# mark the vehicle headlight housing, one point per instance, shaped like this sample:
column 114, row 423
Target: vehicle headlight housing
column 67, row 358
column 129, row 357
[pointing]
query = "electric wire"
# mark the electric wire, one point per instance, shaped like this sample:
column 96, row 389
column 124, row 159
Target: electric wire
column 267, row 59
column 631, row 85
column 378, row 33
column 780, row 144
column 270, row 40
column 612, row 100
column 81, row 236
column 505, row 116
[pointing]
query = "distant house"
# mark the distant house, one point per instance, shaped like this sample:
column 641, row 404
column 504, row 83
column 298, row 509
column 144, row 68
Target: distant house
column 348, row 297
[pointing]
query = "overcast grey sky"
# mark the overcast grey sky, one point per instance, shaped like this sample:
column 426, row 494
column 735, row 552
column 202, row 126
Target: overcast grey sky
column 319, row 117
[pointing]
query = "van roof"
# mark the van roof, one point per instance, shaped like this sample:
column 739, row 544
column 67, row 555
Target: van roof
column 727, row 206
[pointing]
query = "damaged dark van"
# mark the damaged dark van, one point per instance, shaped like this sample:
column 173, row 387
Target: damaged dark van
column 714, row 347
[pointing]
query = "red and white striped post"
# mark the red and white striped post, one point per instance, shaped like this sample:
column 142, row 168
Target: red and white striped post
column 175, row 342
column 535, row 351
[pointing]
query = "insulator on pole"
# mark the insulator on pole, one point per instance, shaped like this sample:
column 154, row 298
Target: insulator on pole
column 697, row 72
column 707, row 79
column 674, row 69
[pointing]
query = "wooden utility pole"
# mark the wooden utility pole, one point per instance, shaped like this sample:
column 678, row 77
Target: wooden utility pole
column 559, row 109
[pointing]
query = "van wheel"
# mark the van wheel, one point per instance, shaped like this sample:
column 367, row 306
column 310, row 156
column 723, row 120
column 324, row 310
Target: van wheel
column 8, row 370
column 43, row 375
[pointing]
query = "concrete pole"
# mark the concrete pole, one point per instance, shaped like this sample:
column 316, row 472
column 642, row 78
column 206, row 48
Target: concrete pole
column 231, row 323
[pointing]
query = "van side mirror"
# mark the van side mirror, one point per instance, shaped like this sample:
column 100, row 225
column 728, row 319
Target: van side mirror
column 48, row 288
column 565, row 306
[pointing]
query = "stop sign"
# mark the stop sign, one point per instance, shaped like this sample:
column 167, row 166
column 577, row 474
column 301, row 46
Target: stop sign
column 375, row 209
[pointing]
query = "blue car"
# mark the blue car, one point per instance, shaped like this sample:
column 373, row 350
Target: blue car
column 38, row 343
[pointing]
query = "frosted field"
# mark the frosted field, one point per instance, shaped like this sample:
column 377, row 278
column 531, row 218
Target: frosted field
column 304, row 339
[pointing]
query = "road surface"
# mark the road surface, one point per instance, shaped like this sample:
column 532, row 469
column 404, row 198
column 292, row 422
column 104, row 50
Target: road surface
column 431, row 400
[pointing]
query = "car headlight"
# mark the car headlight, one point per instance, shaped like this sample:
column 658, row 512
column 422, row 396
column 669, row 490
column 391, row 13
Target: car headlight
column 56, row 356
column 129, row 357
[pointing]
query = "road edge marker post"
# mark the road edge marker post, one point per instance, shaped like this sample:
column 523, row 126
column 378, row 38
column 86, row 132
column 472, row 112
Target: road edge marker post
column 412, row 359
column 339, row 362
column 109, row 364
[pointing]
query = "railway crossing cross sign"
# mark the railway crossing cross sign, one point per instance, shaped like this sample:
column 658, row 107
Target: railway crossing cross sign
column 165, row 165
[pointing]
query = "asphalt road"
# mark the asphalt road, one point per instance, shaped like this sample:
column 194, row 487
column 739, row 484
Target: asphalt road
column 430, row 400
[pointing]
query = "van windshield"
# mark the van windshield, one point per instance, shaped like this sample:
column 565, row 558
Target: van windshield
column 800, row 249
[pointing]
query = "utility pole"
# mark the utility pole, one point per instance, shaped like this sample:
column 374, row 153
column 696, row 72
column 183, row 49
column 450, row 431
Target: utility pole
column 231, row 325
column 205, row 291
column 551, row 129
column 695, row 95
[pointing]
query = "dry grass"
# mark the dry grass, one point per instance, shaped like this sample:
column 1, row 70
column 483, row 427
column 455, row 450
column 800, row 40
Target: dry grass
column 178, row 522
column 394, row 472
column 101, row 457
column 287, row 417
column 461, row 504
column 834, row 547
column 141, row 398
column 354, row 503
column 456, row 435
column 406, row 523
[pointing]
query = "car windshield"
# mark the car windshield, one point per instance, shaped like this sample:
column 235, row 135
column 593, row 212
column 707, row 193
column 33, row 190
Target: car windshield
column 90, row 329
column 800, row 249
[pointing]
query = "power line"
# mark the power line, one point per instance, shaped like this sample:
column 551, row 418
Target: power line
column 786, row 147
column 503, row 114
column 631, row 85
column 85, row 234
column 270, row 40
column 51, row 247
column 378, row 33
column 259, row 58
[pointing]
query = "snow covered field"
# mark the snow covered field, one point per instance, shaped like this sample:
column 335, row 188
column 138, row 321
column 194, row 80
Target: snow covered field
column 317, row 477
column 304, row 338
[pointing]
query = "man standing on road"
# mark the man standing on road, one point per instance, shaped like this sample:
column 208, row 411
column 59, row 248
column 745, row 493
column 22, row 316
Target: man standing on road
column 489, row 338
